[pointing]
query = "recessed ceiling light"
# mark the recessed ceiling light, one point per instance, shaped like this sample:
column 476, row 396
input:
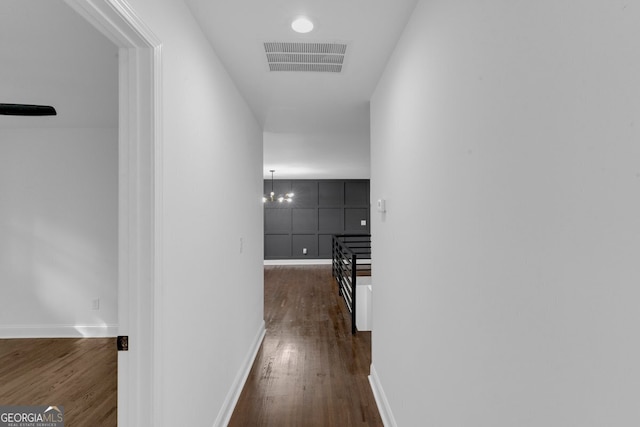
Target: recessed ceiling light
column 302, row 25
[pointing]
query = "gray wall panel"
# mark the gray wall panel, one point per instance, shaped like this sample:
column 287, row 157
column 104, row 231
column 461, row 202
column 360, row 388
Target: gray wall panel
column 308, row 241
column 330, row 220
column 320, row 208
column 331, row 193
column 304, row 220
column 353, row 218
column 306, row 193
column 356, row 193
column 277, row 220
column 324, row 245
column 277, row 245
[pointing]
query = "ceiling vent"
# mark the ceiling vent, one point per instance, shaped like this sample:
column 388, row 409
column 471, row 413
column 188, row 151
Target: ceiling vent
column 311, row 57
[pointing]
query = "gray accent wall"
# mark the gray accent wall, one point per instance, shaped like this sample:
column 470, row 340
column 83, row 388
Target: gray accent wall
column 320, row 208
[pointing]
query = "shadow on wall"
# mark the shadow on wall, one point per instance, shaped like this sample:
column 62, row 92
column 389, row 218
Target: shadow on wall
column 55, row 279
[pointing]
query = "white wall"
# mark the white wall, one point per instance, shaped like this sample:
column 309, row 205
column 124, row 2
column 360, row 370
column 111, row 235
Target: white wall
column 212, row 306
column 506, row 141
column 317, row 155
column 58, row 232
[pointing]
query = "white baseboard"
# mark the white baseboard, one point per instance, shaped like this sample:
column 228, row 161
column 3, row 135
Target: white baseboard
column 297, row 262
column 381, row 400
column 224, row 416
column 59, row 331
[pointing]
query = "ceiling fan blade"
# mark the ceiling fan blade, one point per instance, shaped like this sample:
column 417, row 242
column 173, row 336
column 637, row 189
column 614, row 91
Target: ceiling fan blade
column 27, row 110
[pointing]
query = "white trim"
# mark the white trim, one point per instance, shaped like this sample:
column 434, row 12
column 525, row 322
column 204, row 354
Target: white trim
column 308, row 262
column 381, row 400
column 158, row 248
column 139, row 222
column 58, row 331
column 224, row 416
column 297, row 262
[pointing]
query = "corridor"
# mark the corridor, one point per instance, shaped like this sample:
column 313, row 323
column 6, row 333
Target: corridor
column 310, row 371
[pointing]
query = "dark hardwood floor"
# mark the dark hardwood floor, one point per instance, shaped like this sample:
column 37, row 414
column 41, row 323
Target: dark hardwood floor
column 310, row 371
column 79, row 374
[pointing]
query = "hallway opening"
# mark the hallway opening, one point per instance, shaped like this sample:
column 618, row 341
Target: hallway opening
column 310, row 369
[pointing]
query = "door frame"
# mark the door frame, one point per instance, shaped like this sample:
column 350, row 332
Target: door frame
column 139, row 202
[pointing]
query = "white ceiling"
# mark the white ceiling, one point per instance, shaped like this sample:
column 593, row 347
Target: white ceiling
column 52, row 56
column 303, row 102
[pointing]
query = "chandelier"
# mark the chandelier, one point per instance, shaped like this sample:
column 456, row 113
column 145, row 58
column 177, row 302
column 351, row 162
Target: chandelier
column 271, row 197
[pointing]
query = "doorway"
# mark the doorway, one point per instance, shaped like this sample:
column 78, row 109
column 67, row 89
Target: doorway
column 139, row 246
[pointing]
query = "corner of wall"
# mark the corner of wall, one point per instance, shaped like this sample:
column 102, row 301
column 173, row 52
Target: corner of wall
column 224, row 416
column 381, row 399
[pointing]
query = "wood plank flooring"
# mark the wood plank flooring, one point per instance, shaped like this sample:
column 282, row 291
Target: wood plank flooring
column 310, row 371
column 79, row 374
